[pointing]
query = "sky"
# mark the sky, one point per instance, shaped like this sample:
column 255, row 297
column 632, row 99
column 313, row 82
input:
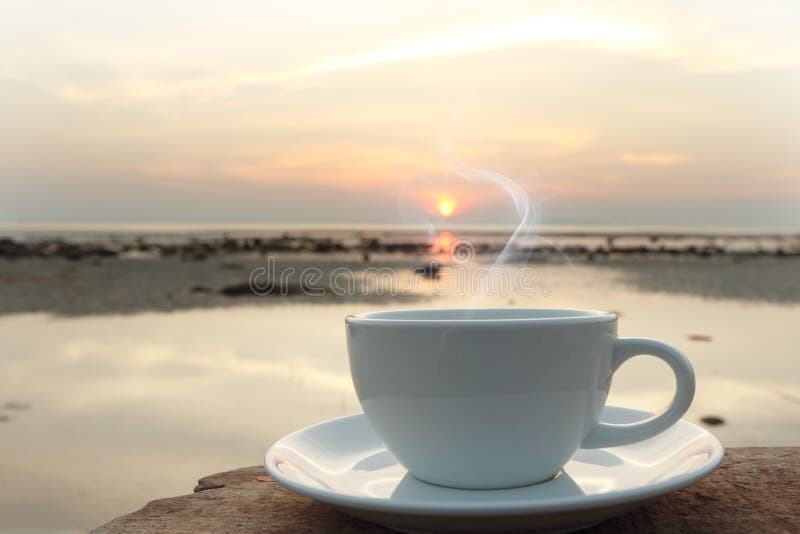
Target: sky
column 625, row 113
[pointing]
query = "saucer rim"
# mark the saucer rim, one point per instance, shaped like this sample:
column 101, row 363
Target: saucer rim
column 511, row 507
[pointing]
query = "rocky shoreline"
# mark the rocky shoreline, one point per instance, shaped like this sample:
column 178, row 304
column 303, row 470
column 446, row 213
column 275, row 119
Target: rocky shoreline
column 110, row 274
column 577, row 246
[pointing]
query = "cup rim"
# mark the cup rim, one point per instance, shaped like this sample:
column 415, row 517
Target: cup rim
column 478, row 317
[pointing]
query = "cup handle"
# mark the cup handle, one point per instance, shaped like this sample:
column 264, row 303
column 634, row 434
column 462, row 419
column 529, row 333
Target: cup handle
column 613, row 435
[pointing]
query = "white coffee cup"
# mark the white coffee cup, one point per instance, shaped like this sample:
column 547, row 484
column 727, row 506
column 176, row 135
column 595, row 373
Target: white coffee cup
column 497, row 398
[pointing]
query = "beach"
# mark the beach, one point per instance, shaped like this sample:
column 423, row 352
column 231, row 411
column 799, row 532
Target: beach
column 126, row 372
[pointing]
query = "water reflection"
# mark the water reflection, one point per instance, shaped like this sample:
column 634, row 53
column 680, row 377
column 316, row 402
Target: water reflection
column 125, row 409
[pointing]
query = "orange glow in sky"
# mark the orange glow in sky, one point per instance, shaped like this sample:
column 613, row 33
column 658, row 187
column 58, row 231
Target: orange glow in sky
column 446, row 206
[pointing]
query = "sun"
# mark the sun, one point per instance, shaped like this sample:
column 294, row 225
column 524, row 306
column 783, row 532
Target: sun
column 446, row 207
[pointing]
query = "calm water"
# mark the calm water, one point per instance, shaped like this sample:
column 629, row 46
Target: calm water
column 108, row 412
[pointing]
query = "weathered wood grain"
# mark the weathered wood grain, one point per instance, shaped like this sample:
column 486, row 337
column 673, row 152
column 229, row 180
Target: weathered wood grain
column 755, row 490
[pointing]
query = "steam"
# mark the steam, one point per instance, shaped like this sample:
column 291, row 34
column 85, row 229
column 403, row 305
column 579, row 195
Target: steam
column 528, row 216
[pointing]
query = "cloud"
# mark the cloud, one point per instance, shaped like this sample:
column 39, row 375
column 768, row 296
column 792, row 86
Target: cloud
column 554, row 28
column 554, row 143
column 593, row 32
column 654, row 158
column 340, row 163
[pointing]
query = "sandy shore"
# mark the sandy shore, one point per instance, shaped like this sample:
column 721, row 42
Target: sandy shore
column 128, row 284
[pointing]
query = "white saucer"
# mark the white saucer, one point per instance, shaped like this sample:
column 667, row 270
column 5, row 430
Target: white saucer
column 343, row 463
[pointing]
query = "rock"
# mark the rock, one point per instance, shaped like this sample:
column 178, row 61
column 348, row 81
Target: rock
column 195, row 251
column 407, row 248
column 430, row 270
column 371, row 245
column 11, row 249
column 268, row 288
column 699, row 337
column 70, row 251
column 17, row 406
column 230, row 245
column 241, row 290
column 200, row 289
column 326, row 245
column 712, row 420
column 755, row 490
column 101, row 252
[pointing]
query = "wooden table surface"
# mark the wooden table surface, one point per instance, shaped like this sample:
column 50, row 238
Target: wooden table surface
column 757, row 489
